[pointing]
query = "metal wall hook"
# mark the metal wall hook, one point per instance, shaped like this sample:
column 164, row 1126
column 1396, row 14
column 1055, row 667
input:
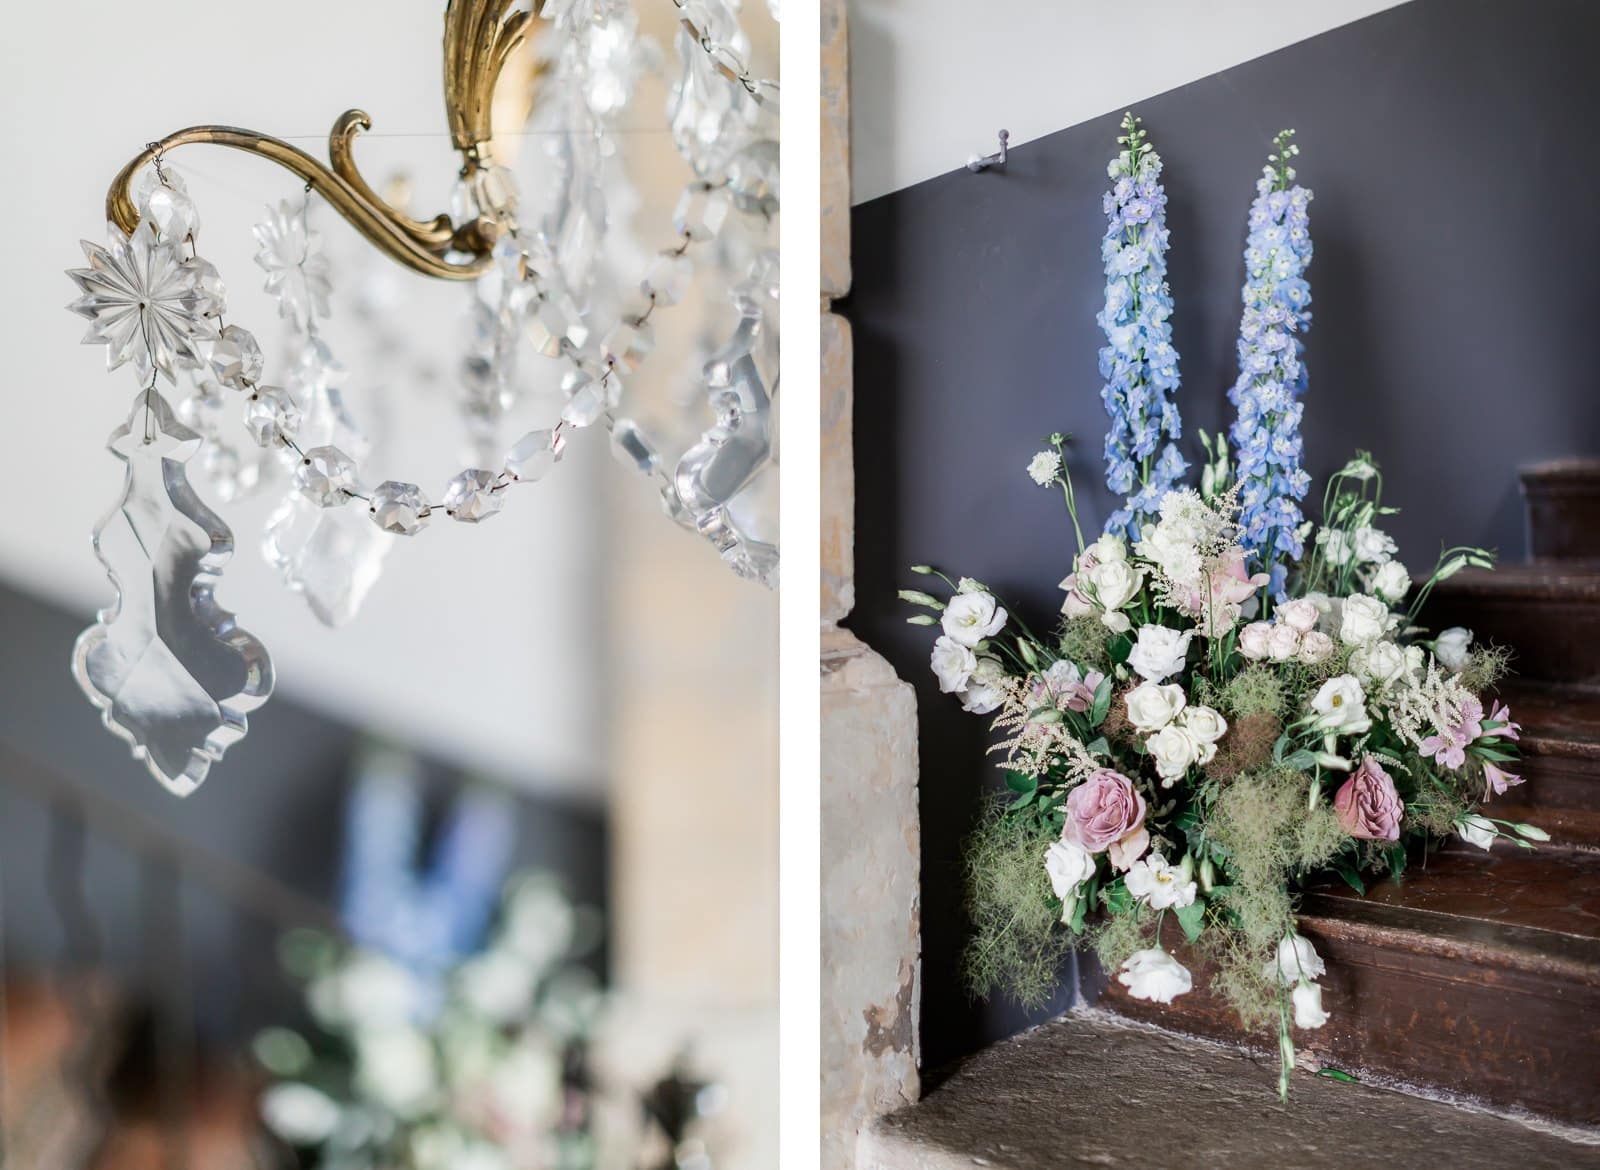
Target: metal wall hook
column 976, row 164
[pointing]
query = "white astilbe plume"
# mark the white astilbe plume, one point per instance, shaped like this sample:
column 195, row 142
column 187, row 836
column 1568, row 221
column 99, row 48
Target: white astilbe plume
column 1037, row 749
column 1425, row 705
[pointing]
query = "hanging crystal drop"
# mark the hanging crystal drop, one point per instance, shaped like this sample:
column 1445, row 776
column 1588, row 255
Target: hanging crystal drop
column 753, row 178
column 213, row 294
column 627, row 344
column 555, row 319
column 586, row 398
column 269, row 415
column 470, row 496
column 533, row 455
column 326, row 476
column 202, row 410
column 331, row 556
column 233, row 357
column 398, row 507
column 668, row 278
column 171, row 671
column 630, row 445
column 701, row 210
column 221, row 468
column 171, row 212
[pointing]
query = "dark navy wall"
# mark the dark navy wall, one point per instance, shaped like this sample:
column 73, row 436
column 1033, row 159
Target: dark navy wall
column 1456, row 289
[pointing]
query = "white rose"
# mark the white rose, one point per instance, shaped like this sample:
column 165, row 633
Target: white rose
column 1363, row 619
column 1206, row 725
column 1152, row 706
column 1315, row 647
column 1381, row 663
column 983, row 693
column 1159, row 885
column 1170, row 545
column 1297, row 959
column 498, row 985
column 1373, row 547
column 1253, row 640
column 1154, row 975
column 1308, row 1011
column 1391, row 581
column 1069, row 866
column 1173, row 750
column 1451, row 647
column 1283, row 643
column 1335, row 546
column 1159, row 652
column 1114, row 583
column 1476, row 830
column 395, row 1067
column 1343, row 706
column 1109, row 548
column 953, row 663
column 972, row 617
column 1300, row 614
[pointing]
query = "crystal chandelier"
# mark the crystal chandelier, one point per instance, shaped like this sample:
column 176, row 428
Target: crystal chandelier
column 171, row 670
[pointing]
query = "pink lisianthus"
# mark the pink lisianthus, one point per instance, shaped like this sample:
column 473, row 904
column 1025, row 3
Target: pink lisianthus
column 1507, row 729
column 1449, row 747
column 1367, row 804
column 1229, row 583
column 1103, row 810
column 1498, row 779
column 1077, row 603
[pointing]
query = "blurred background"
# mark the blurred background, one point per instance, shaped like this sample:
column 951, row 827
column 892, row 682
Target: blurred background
column 523, row 802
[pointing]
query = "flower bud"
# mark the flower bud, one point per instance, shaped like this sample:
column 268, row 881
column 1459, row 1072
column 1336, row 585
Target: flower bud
column 918, row 597
column 922, row 619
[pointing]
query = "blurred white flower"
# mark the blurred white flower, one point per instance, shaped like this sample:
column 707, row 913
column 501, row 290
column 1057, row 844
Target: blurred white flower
column 1451, row 647
column 299, row 1114
column 367, row 991
column 1308, row 1011
column 395, row 1068
column 498, row 985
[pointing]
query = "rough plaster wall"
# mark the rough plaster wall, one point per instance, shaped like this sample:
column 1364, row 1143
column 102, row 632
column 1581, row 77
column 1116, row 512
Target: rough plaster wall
column 871, row 846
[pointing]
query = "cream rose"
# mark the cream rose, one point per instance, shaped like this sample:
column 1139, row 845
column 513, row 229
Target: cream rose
column 1363, row 619
column 1315, row 647
column 1253, row 640
column 1206, row 725
column 1380, row 663
column 1391, row 581
column 1283, row 643
column 1152, row 706
column 1300, row 614
column 1159, row 652
column 1069, row 866
column 1373, row 546
column 1173, row 749
column 1114, row 583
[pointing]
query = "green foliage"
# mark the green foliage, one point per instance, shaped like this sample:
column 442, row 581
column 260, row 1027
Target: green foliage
column 1119, row 935
column 1255, row 690
column 1257, row 822
column 1017, row 944
column 1086, row 642
column 1485, row 667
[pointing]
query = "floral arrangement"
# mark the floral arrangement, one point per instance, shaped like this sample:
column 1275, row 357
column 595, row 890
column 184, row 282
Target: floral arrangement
column 1219, row 719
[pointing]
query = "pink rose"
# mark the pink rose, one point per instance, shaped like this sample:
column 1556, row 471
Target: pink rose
column 1253, row 639
column 1283, row 643
column 1367, row 804
column 1299, row 614
column 1103, row 810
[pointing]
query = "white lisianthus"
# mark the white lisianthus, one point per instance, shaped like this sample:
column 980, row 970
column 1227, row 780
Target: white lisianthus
column 1154, row 975
column 1206, row 725
column 1391, row 581
column 1283, row 643
column 1109, row 548
column 953, row 663
column 1253, row 640
column 1152, row 706
column 1173, row 750
column 1363, row 619
column 1450, row 648
column 1159, row 652
column 1336, row 548
column 983, row 693
column 1343, row 706
column 1476, row 830
column 972, row 617
column 1373, row 546
column 1380, row 663
column 1297, row 959
column 1308, row 1011
column 1069, row 866
column 1315, row 647
column 1159, row 885
column 1301, row 614
column 1044, row 467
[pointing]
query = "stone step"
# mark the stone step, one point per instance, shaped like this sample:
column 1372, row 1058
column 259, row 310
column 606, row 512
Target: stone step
column 1547, row 614
column 1090, row 1089
column 1476, row 975
column 1561, row 762
column 1563, row 501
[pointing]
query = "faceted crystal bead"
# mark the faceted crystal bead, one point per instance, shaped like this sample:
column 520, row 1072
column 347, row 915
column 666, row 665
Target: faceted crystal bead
column 628, row 344
column 753, row 178
column 171, row 212
column 587, row 399
column 213, row 295
column 469, row 496
column 700, row 212
column 398, row 508
column 553, row 320
column 668, row 278
column 497, row 190
column 202, row 410
column 510, row 259
column 233, row 358
column 269, row 415
column 325, row 475
column 534, row 455
column 630, row 445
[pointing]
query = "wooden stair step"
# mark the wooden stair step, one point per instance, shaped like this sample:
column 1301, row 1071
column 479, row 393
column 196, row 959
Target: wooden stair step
column 1563, row 502
column 1561, row 761
column 1090, row 1089
column 1548, row 615
column 1476, row 975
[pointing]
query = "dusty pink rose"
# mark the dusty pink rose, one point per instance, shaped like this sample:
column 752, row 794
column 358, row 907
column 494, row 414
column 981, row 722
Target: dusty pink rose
column 1367, row 804
column 1283, row 643
column 1253, row 639
column 1299, row 614
column 1103, row 810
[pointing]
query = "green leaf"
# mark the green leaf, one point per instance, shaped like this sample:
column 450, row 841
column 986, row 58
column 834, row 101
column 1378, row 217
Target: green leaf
column 1098, row 747
column 1397, row 859
column 1338, row 1074
column 1115, row 897
column 1352, row 878
column 1102, row 703
column 1017, row 782
column 1277, row 748
column 1192, row 918
column 1121, row 647
column 1045, row 715
column 1300, row 761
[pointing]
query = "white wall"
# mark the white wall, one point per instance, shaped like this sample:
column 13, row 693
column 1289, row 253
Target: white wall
column 479, row 643
column 933, row 81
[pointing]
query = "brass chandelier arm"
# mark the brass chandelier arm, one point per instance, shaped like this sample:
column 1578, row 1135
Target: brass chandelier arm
column 417, row 245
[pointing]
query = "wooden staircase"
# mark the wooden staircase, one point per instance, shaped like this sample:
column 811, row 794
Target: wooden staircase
column 1474, row 981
